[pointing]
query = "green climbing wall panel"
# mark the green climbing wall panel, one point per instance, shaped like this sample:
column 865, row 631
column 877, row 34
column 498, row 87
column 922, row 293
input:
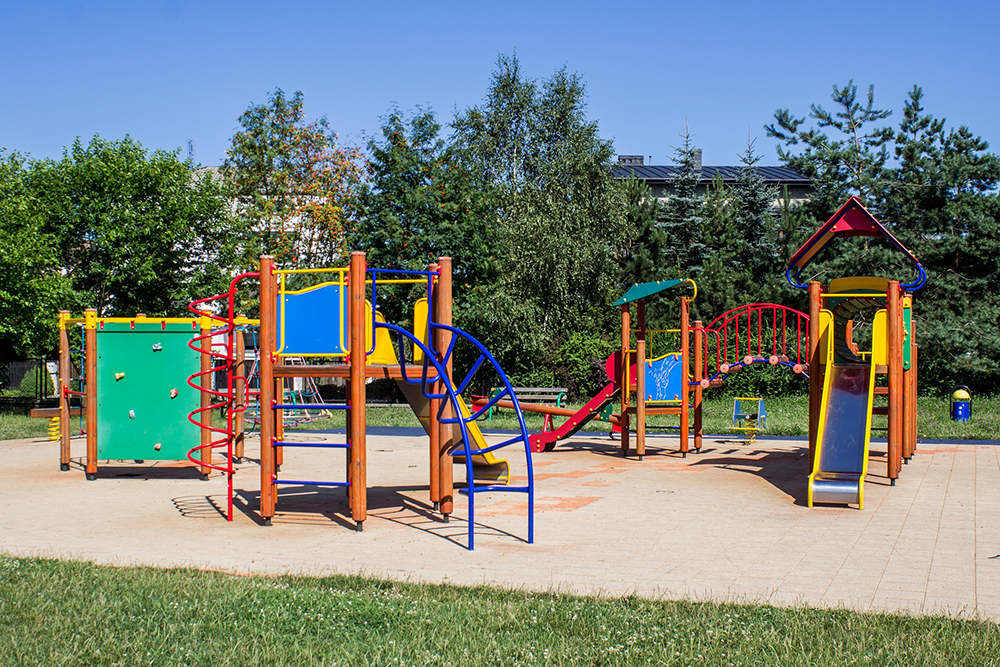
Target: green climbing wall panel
column 135, row 411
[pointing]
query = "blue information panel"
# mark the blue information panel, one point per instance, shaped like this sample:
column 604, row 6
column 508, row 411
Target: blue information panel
column 664, row 377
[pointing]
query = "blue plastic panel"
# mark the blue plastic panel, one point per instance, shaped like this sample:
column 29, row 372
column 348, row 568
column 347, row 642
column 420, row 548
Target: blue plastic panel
column 313, row 322
column 663, row 378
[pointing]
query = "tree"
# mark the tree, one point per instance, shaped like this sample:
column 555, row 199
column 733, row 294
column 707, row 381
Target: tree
column 291, row 183
column 32, row 288
column 135, row 231
column 851, row 162
column 756, row 245
column 555, row 209
column 419, row 204
column 681, row 217
column 641, row 260
column 943, row 202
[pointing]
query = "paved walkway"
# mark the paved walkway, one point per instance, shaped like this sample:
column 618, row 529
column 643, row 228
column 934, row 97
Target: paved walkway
column 728, row 524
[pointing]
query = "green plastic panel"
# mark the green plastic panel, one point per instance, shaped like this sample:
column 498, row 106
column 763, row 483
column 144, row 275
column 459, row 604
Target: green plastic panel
column 135, row 412
column 907, row 317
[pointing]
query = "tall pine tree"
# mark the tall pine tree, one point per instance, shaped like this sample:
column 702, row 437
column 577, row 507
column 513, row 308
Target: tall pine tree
column 681, row 216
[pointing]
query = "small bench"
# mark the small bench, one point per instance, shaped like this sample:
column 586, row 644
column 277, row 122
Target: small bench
column 539, row 395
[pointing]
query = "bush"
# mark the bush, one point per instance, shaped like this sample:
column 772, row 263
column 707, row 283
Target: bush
column 765, row 381
column 31, row 380
column 580, row 361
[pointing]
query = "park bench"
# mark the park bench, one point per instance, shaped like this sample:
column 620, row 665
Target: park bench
column 555, row 396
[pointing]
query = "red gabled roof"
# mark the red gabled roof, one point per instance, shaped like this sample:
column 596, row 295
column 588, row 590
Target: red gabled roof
column 851, row 219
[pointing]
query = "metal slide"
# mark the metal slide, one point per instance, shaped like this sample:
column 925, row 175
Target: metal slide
column 845, row 424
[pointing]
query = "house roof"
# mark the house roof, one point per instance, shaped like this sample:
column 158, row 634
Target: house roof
column 662, row 175
column 851, row 219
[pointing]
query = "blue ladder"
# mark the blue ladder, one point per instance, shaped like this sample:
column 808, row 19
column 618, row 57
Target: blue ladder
column 318, row 445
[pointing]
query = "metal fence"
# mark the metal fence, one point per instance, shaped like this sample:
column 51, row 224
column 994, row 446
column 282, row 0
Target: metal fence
column 28, row 383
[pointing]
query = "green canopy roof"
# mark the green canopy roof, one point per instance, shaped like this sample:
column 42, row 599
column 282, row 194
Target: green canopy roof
column 645, row 290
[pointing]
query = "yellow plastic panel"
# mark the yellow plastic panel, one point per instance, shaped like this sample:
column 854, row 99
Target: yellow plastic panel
column 384, row 353
column 858, row 284
column 880, row 343
column 419, row 328
column 825, row 334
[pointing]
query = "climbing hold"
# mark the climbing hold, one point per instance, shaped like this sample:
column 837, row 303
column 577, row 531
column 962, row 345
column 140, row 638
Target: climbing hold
column 157, row 446
column 157, row 347
column 119, row 376
column 131, row 414
column 173, row 393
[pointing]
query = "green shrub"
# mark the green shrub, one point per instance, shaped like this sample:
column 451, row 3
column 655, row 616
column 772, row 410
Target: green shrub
column 580, row 361
column 31, row 380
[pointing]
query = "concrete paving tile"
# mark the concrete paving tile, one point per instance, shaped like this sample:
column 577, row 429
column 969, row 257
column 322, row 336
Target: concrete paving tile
column 704, row 531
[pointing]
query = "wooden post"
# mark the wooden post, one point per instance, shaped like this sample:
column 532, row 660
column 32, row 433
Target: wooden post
column 90, row 363
column 238, row 375
column 685, row 374
column 265, row 400
column 815, row 367
column 356, row 429
column 65, row 371
column 699, row 361
column 446, row 437
column 205, row 329
column 624, row 378
column 894, row 320
column 434, row 426
column 640, row 398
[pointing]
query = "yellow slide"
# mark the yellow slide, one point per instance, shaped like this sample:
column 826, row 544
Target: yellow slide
column 486, row 467
column 845, row 420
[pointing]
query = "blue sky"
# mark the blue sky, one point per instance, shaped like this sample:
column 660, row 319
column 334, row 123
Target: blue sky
column 166, row 72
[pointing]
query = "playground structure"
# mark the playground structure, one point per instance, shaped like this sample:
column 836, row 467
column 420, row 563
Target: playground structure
column 133, row 392
column 334, row 323
column 820, row 346
column 672, row 379
column 132, row 413
column 842, row 384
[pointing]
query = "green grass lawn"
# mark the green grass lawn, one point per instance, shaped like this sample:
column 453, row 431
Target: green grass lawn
column 70, row 613
column 786, row 415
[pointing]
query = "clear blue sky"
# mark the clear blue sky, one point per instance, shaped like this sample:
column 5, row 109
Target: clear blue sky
column 169, row 71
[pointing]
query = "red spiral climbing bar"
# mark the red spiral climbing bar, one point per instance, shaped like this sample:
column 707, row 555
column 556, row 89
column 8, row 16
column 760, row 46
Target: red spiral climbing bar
column 219, row 399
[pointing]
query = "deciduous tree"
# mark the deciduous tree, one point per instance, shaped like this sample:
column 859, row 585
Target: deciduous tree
column 557, row 212
column 419, row 203
column 292, row 183
column 32, row 287
column 135, row 231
